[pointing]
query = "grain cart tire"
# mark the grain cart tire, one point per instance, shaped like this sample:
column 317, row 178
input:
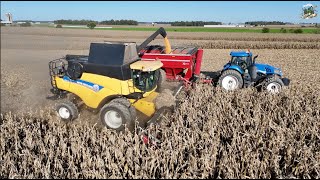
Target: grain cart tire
column 162, row 80
column 272, row 84
column 67, row 111
column 127, row 103
column 115, row 115
column 230, row 80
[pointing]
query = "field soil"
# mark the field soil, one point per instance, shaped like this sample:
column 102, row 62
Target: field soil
column 252, row 135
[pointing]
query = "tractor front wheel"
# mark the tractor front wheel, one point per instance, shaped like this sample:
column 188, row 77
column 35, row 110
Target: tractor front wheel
column 116, row 115
column 273, row 84
column 231, row 80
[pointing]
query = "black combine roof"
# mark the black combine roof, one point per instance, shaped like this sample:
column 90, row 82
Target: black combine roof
column 108, row 59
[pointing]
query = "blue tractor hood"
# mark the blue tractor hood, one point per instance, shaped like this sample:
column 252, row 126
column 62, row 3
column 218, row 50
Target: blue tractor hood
column 268, row 70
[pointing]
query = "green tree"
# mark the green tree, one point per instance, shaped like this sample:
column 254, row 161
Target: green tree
column 298, row 31
column 317, row 31
column 91, row 25
column 265, row 30
column 283, row 30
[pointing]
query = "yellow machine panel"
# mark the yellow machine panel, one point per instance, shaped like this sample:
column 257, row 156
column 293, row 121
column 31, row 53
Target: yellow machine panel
column 93, row 88
column 146, row 105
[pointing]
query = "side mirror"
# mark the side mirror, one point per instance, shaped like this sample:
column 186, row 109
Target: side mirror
column 254, row 59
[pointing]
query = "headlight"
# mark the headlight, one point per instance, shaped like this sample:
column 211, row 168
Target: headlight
column 278, row 71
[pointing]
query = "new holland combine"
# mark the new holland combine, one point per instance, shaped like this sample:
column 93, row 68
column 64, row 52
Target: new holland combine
column 112, row 80
column 120, row 79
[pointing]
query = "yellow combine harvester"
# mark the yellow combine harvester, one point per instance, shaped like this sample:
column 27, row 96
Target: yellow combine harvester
column 112, row 79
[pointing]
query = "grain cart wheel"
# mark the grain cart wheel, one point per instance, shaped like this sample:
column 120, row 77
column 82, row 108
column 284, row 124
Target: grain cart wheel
column 115, row 115
column 272, row 84
column 162, row 80
column 231, row 80
column 127, row 103
column 67, row 111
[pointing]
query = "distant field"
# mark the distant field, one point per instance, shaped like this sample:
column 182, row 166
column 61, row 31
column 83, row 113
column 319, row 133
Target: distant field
column 202, row 29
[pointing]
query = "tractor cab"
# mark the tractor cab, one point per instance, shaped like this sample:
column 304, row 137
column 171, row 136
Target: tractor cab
column 242, row 59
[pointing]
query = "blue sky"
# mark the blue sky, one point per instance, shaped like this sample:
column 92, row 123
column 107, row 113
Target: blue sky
column 148, row 11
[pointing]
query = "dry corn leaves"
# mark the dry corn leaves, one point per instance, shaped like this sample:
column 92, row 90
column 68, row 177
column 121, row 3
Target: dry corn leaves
column 241, row 134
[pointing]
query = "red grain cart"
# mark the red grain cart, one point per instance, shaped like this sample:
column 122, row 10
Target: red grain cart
column 181, row 63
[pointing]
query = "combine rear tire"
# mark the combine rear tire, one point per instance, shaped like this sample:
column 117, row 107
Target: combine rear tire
column 67, row 111
column 231, row 80
column 273, row 84
column 161, row 81
column 115, row 115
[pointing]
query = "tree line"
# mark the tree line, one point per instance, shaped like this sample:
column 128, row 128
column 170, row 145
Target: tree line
column 133, row 22
column 194, row 23
column 74, row 22
column 119, row 22
column 257, row 23
column 106, row 22
column 191, row 23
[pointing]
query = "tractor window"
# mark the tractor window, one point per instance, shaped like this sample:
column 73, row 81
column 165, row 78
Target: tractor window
column 145, row 81
column 238, row 60
column 242, row 61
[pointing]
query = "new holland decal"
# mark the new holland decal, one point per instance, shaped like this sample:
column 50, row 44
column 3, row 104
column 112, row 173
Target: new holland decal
column 92, row 86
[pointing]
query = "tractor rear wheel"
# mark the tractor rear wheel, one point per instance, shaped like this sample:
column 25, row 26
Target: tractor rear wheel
column 67, row 111
column 272, row 84
column 161, row 81
column 115, row 115
column 230, row 80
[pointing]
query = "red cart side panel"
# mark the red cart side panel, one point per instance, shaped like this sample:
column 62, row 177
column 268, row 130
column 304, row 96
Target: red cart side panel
column 198, row 62
column 181, row 61
column 174, row 64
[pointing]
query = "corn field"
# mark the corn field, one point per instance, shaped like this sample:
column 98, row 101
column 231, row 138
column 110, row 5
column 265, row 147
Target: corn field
column 242, row 134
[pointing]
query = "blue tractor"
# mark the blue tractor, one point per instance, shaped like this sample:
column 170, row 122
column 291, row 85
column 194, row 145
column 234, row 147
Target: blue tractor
column 242, row 71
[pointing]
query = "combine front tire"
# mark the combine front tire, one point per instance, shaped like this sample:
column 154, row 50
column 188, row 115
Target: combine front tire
column 127, row 103
column 273, row 84
column 67, row 111
column 115, row 115
column 231, row 80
